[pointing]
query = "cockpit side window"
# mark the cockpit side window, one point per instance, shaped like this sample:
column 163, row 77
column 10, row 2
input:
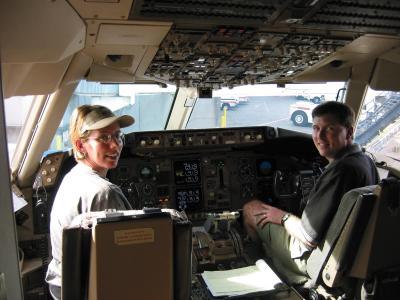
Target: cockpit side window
column 378, row 128
column 16, row 111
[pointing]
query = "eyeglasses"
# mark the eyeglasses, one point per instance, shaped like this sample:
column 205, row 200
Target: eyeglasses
column 119, row 137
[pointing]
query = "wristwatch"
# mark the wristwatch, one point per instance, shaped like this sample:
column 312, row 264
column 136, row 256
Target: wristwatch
column 284, row 218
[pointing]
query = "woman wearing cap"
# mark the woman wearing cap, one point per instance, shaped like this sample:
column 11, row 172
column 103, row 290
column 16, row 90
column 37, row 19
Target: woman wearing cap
column 97, row 143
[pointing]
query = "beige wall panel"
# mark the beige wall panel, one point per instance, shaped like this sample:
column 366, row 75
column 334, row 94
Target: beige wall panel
column 33, row 79
column 131, row 34
column 136, row 42
column 386, row 72
column 39, row 31
column 103, row 9
column 362, row 50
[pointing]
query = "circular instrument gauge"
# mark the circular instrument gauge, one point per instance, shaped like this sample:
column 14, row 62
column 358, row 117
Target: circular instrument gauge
column 146, row 172
column 147, row 189
column 246, row 172
column 265, row 168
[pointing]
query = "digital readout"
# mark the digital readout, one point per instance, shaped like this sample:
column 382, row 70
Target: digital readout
column 189, row 199
column 187, row 172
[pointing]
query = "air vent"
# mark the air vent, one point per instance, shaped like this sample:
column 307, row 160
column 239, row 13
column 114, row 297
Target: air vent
column 119, row 61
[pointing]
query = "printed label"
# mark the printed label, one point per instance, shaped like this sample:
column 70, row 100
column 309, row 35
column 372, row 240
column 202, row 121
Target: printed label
column 134, row 236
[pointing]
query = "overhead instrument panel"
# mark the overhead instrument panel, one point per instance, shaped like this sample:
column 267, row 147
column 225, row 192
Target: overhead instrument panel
column 231, row 56
column 228, row 43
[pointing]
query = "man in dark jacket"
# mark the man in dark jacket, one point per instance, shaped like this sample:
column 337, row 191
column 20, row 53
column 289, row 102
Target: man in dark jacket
column 288, row 239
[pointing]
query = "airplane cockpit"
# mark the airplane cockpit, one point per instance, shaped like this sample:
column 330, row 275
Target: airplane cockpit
column 222, row 93
column 209, row 175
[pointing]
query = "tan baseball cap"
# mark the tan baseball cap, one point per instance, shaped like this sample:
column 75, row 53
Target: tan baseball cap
column 101, row 117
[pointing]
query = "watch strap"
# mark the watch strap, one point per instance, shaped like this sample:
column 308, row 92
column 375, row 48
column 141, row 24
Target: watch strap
column 284, row 218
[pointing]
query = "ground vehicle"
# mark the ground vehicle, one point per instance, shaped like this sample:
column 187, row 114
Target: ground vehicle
column 243, row 99
column 232, row 101
column 228, row 103
column 300, row 112
column 313, row 99
column 198, row 46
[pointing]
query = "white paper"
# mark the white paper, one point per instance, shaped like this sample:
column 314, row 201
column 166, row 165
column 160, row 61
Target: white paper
column 18, row 202
column 241, row 281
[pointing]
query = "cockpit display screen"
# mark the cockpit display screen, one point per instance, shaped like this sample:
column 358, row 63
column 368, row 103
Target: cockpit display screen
column 265, row 168
column 189, row 199
column 187, row 172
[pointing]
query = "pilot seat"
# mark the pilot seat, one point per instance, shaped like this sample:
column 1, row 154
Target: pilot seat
column 359, row 257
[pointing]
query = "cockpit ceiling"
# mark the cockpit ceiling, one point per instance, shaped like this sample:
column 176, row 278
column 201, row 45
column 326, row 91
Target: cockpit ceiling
column 216, row 43
column 366, row 16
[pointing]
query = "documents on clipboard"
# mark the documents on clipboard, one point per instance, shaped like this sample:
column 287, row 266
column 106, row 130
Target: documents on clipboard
column 257, row 278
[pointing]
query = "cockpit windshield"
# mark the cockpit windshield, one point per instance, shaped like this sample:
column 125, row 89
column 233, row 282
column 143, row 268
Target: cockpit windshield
column 286, row 107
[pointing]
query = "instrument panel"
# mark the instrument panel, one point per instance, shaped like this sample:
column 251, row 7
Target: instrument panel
column 211, row 170
column 202, row 171
column 197, row 139
column 206, row 181
column 209, row 174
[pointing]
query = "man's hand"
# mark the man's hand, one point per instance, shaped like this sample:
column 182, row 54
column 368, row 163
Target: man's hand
column 257, row 213
column 269, row 214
